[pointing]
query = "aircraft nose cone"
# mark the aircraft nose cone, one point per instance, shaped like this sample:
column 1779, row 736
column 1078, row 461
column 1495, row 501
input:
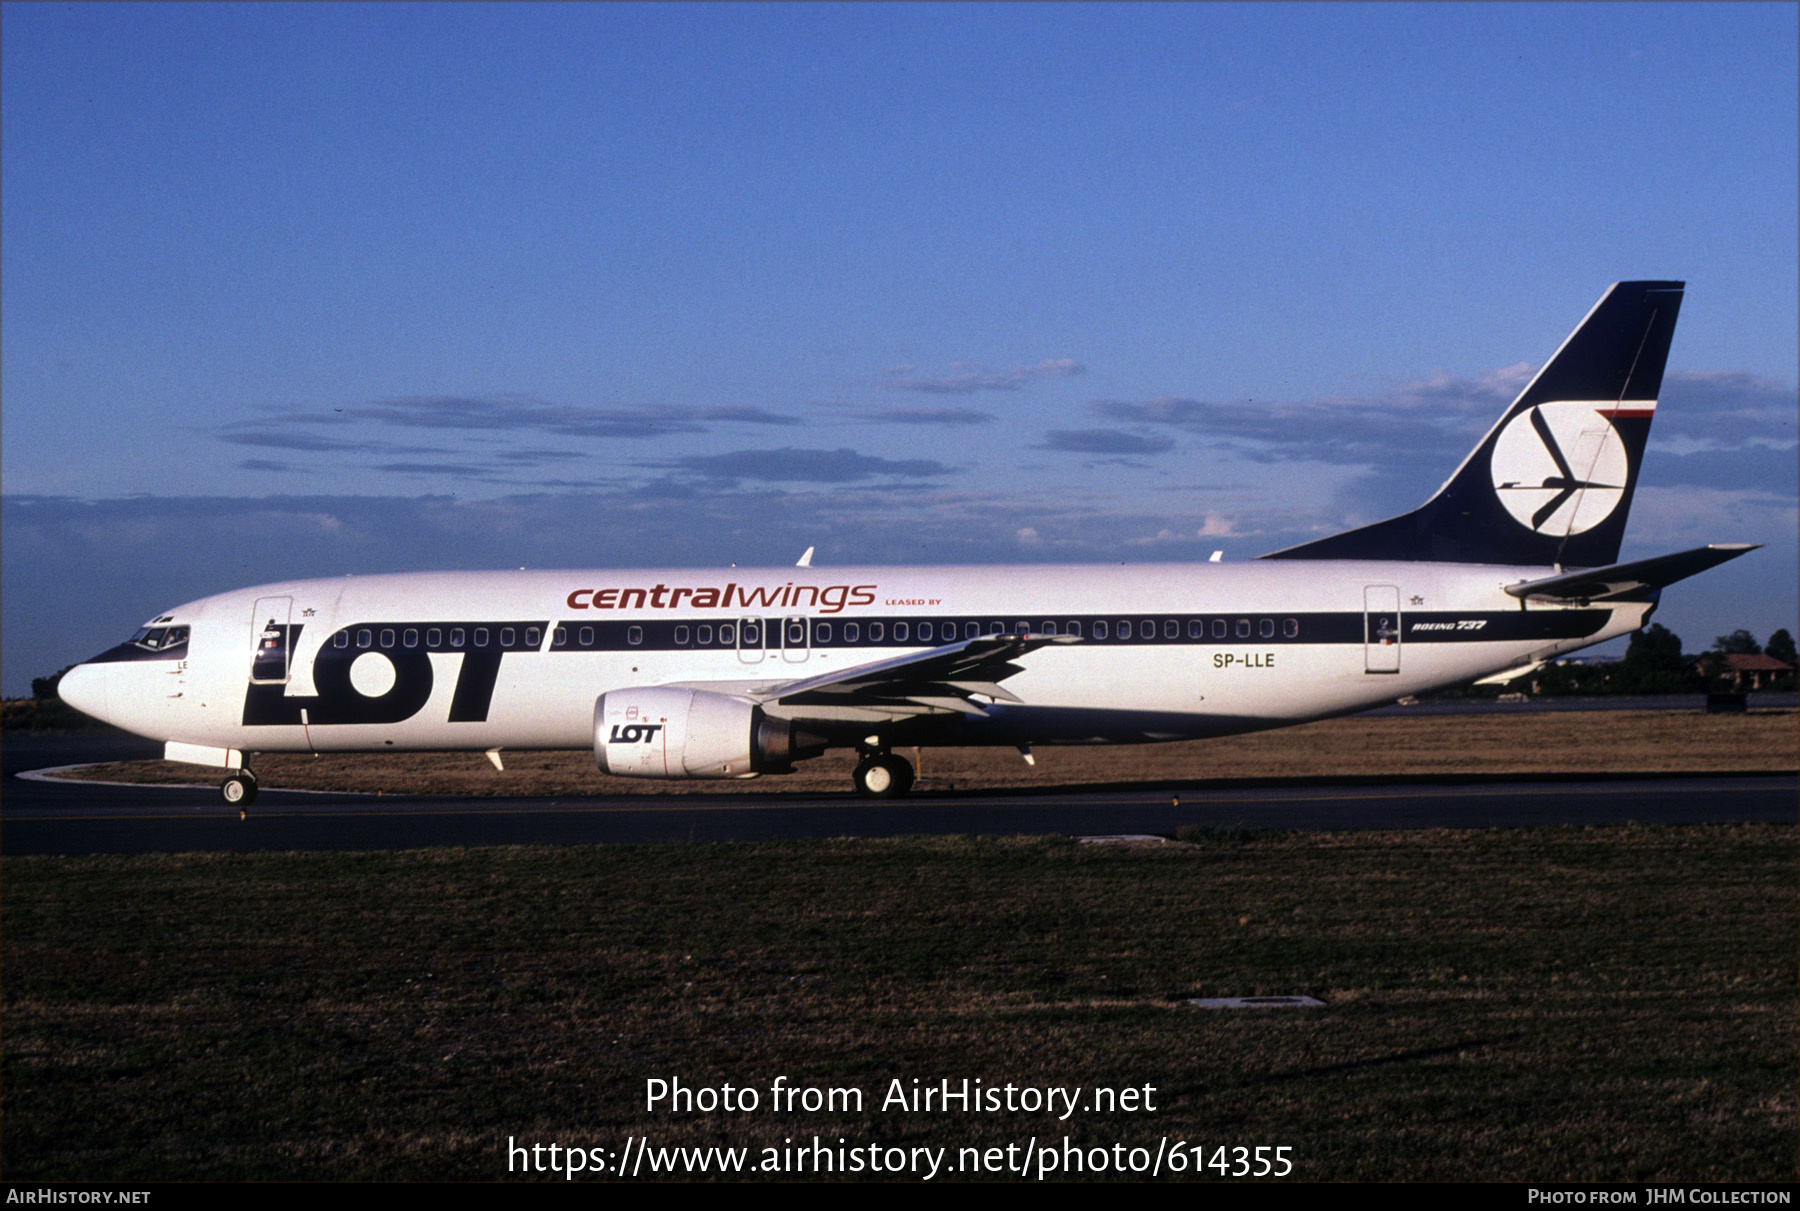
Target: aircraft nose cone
column 84, row 688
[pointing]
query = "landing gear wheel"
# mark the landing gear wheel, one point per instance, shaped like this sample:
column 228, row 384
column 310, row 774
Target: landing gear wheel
column 883, row 776
column 239, row 790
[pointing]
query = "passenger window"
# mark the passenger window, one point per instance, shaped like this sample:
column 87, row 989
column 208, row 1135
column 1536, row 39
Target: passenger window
column 1099, row 628
column 481, row 637
column 1267, row 627
column 796, row 634
column 703, row 634
column 341, row 639
column 558, row 638
column 434, row 638
column 365, row 637
column 971, row 630
column 1075, row 629
column 634, row 636
column 387, row 637
column 507, row 635
column 727, row 634
column 587, row 637
column 1049, row 628
column 875, row 632
column 1124, row 628
column 752, row 636
column 1196, row 629
column 1243, row 628
column 533, row 637
column 900, row 632
column 456, row 637
column 681, row 636
column 852, row 632
column 1291, row 628
column 996, row 628
column 822, row 633
column 924, row 632
column 1218, row 628
column 410, row 639
column 1171, row 629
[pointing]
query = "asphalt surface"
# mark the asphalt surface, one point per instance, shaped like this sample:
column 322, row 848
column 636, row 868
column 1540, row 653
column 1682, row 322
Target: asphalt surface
column 44, row 817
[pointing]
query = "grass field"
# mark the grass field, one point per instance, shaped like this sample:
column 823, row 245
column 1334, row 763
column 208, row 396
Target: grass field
column 1622, row 742
column 1551, row 1004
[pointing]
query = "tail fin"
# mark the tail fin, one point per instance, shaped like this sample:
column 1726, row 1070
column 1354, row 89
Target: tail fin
column 1551, row 483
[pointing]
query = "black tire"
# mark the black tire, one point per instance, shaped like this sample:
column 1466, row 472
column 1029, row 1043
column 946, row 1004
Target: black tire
column 884, row 776
column 239, row 790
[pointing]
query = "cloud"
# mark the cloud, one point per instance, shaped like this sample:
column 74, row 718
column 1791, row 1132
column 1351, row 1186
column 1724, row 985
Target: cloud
column 1692, row 516
column 265, row 464
column 1392, row 431
column 924, row 416
column 538, row 456
column 288, row 441
column 1751, row 466
column 790, row 465
column 966, row 379
column 490, row 415
column 1104, row 441
column 1727, row 407
column 509, row 414
column 463, row 471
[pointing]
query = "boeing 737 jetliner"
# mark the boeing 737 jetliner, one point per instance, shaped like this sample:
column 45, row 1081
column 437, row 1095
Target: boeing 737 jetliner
column 690, row 673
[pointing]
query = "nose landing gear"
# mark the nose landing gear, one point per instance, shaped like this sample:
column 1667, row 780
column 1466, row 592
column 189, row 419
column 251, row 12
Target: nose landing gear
column 881, row 775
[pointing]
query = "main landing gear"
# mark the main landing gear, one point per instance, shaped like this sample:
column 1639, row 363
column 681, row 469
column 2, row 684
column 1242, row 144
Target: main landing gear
column 239, row 790
column 881, row 775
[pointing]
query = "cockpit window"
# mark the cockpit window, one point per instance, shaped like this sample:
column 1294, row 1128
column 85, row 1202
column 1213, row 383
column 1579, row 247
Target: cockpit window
column 161, row 639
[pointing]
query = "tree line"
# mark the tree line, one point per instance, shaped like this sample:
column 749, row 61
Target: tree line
column 1654, row 663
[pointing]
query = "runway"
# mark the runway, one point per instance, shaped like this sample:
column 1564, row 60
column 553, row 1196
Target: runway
column 43, row 817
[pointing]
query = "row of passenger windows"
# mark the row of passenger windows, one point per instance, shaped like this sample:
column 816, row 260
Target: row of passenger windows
column 794, row 632
column 434, row 637
column 726, row 634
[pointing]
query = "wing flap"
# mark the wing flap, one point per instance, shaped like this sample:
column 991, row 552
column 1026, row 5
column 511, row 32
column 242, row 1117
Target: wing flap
column 939, row 681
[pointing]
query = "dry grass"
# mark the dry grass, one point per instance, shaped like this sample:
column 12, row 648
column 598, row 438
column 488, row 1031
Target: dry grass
column 1560, row 1005
column 1586, row 742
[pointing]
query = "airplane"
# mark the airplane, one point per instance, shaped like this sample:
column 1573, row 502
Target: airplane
column 731, row 673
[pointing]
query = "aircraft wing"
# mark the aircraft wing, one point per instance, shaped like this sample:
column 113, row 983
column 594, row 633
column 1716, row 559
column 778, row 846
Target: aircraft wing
column 939, row 681
column 1624, row 579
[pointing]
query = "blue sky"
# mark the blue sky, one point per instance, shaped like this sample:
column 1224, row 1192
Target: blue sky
column 312, row 289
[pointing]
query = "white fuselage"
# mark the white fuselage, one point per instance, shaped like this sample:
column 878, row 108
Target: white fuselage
column 478, row 661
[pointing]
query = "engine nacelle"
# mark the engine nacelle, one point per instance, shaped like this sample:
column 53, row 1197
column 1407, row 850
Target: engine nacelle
column 658, row 732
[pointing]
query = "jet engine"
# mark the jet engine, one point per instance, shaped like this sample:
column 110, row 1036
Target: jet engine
column 658, row 732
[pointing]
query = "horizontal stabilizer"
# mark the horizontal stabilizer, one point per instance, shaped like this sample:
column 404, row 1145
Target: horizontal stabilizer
column 1625, row 579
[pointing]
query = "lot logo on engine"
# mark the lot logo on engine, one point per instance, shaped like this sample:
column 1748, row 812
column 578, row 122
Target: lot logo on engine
column 632, row 733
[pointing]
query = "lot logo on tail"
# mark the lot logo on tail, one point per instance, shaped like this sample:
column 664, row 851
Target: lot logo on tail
column 1560, row 468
